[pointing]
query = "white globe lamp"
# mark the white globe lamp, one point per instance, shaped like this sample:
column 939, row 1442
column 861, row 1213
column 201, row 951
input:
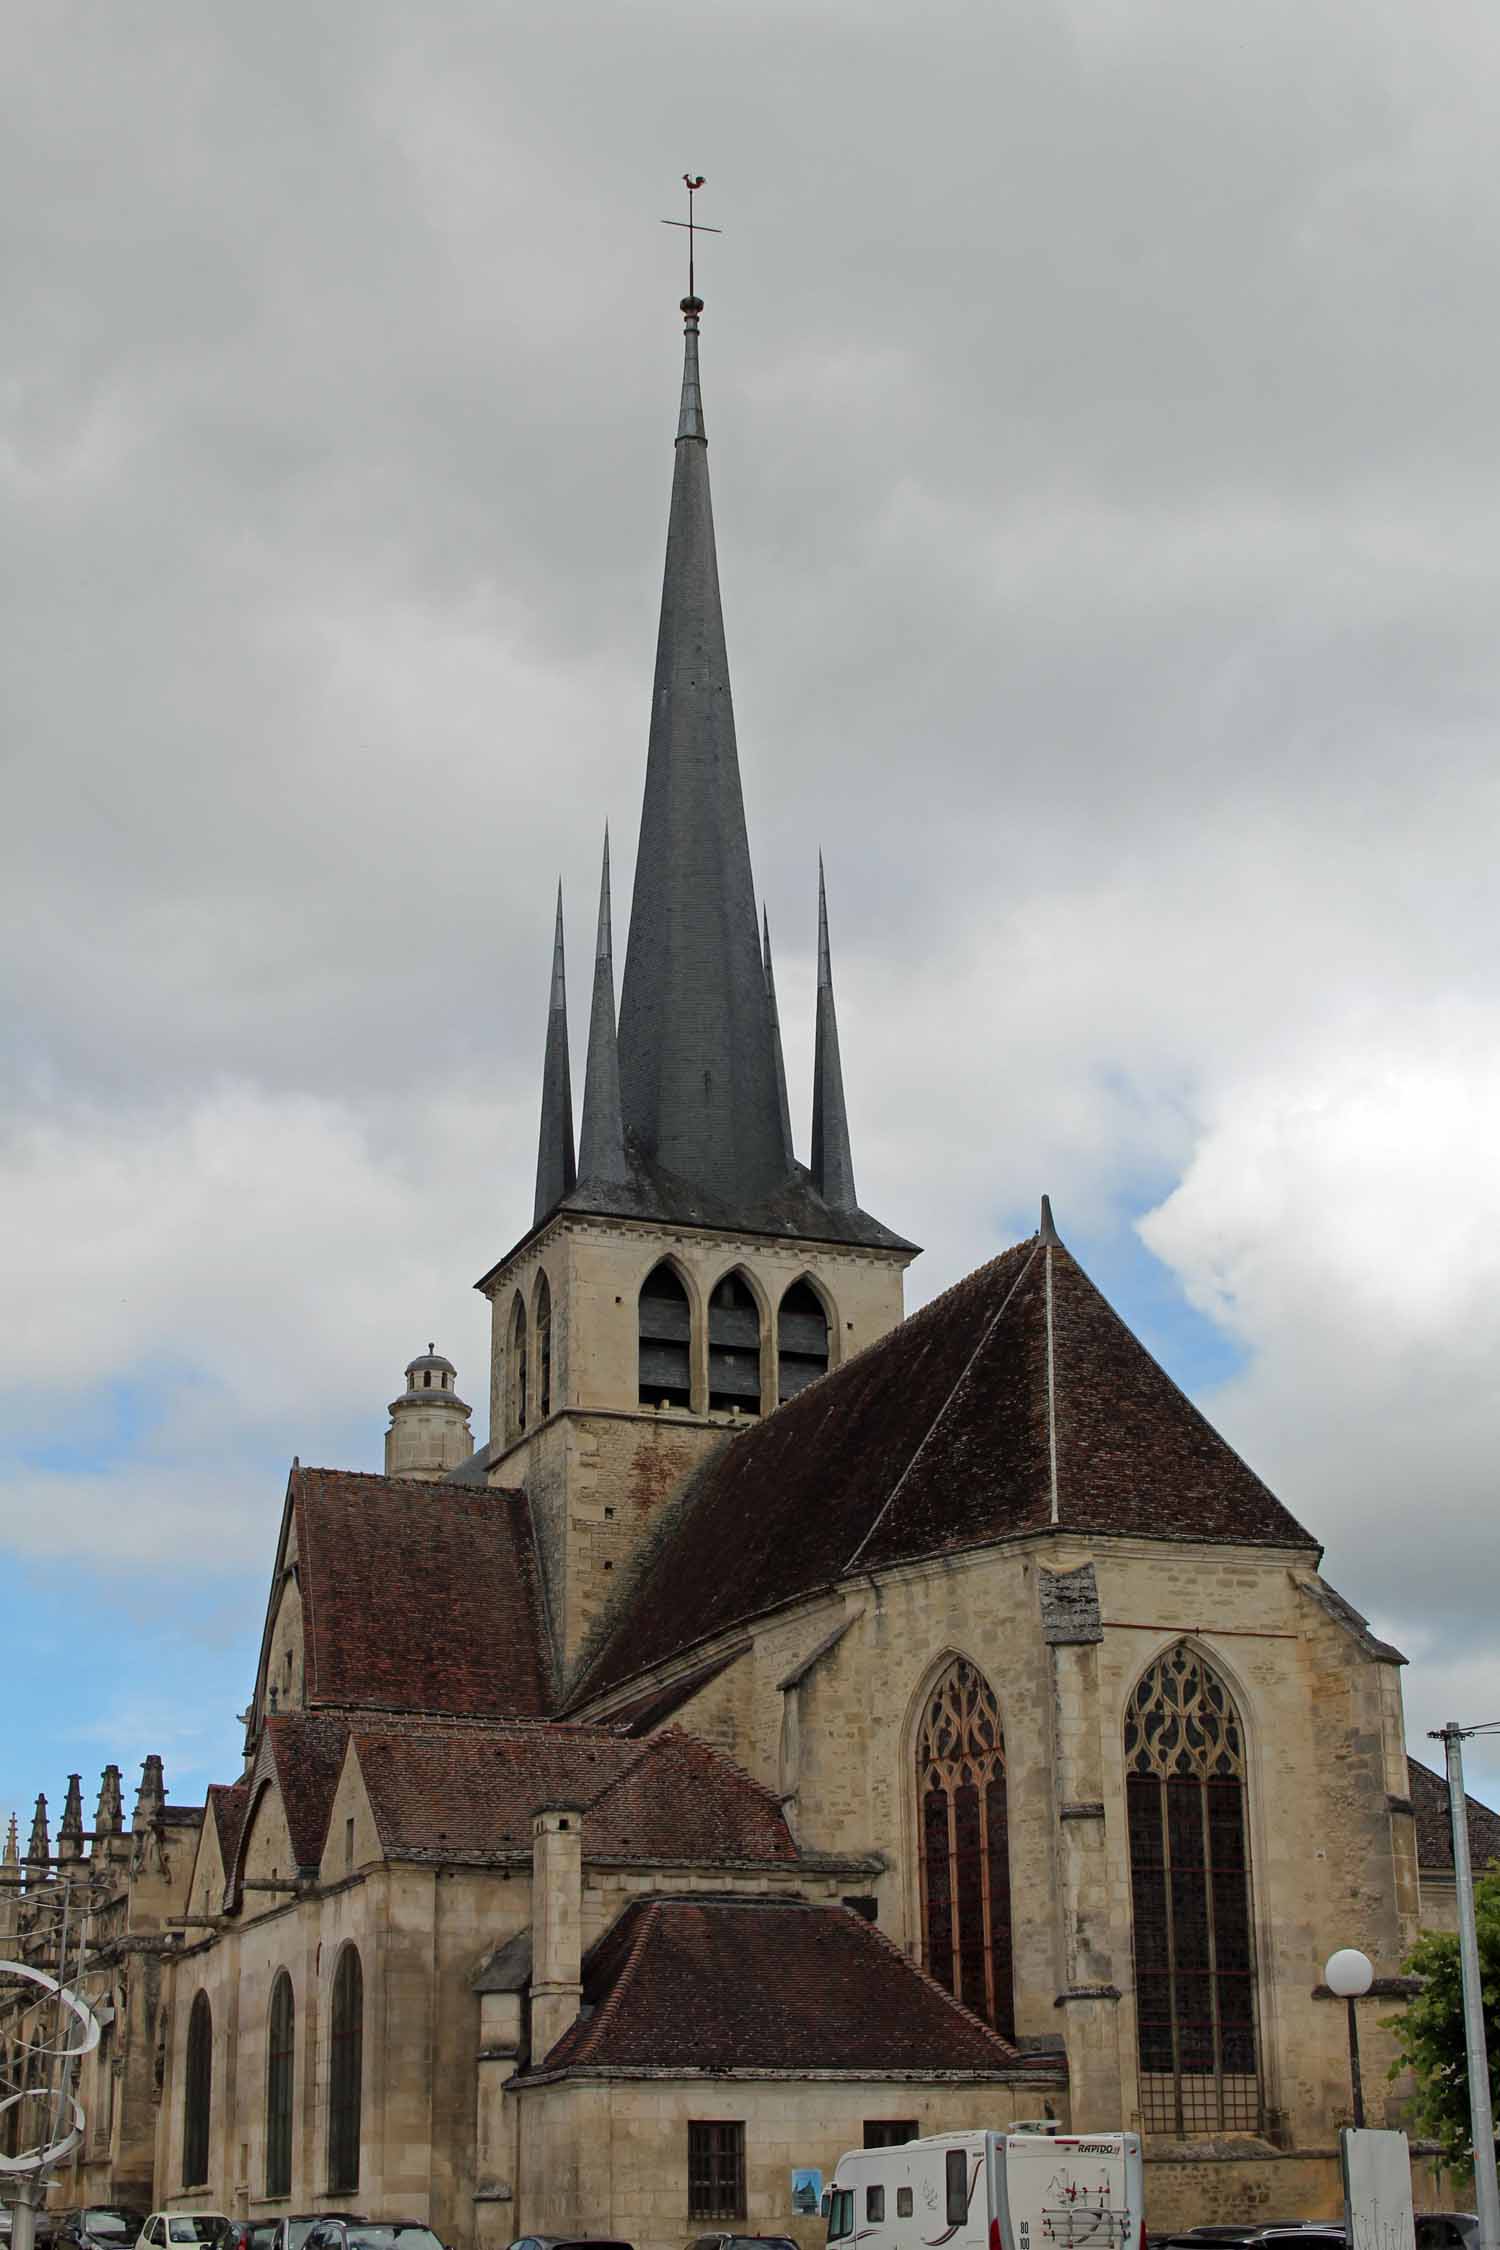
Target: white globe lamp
column 1349, row 1975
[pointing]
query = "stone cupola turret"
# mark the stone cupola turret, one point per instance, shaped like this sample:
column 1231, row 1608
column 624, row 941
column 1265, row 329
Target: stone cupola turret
column 429, row 1434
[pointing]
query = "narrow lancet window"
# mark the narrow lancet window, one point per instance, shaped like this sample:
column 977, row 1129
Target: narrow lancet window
column 965, row 1845
column 345, row 2071
column 733, row 1347
column 280, row 2060
column 666, row 1333
column 801, row 1340
column 543, row 1317
column 198, row 2073
column 1190, row 1898
column 515, row 1378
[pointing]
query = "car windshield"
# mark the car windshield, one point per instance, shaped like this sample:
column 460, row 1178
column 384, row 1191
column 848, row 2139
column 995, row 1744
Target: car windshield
column 297, row 2232
column 203, row 2226
column 100, row 2221
column 388, row 2238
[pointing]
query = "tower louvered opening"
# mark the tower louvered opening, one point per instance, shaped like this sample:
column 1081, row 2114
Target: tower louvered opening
column 801, row 1340
column 733, row 1347
column 666, row 1341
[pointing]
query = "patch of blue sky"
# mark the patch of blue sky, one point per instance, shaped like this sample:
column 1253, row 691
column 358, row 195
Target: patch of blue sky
column 106, row 1425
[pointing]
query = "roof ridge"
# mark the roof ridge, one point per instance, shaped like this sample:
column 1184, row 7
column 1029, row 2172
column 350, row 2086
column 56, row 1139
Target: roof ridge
column 963, row 1375
column 919, row 1968
column 602, row 2018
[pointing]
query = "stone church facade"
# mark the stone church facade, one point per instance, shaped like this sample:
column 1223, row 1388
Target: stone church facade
column 798, row 1724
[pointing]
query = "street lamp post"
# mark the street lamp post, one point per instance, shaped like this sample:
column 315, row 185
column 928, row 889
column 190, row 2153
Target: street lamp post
column 1349, row 1974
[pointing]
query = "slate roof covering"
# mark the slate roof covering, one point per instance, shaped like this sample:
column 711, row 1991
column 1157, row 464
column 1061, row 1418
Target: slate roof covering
column 1017, row 1400
column 774, row 1985
column 418, row 1596
column 1429, row 1796
column 469, row 1793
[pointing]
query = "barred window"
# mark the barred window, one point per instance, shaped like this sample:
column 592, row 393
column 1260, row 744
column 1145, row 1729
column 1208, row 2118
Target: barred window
column 965, row 1845
column 1195, row 1990
column 280, row 2057
column 716, row 2171
column 198, row 2078
column 345, row 2070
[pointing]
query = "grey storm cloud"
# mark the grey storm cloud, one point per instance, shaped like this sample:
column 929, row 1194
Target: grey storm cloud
column 1100, row 399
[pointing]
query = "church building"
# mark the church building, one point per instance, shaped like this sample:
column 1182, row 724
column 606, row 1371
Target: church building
column 796, row 1727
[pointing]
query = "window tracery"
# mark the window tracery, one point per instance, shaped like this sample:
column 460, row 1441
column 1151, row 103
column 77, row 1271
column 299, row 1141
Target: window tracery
column 1190, row 1901
column 965, row 1844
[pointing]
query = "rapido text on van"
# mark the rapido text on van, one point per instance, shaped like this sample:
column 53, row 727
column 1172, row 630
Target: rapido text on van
column 992, row 2191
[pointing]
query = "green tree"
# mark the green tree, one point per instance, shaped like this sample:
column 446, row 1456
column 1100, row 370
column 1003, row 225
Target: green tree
column 1429, row 2031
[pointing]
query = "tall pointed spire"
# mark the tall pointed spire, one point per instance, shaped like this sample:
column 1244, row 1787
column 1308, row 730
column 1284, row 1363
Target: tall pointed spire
column 602, row 1142
column 556, row 1170
column 832, row 1164
column 12, row 1844
column 777, row 1057
column 39, row 1850
column 70, row 1829
column 697, row 1077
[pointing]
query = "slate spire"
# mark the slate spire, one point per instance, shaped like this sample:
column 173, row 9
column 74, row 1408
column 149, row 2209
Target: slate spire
column 556, row 1170
column 602, row 1140
column 777, row 1057
column 697, row 1073
column 832, row 1164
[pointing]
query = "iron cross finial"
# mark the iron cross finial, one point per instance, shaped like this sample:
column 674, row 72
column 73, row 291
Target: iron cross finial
column 692, row 182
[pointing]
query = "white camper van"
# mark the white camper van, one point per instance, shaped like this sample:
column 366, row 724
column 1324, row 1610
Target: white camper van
column 991, row 2191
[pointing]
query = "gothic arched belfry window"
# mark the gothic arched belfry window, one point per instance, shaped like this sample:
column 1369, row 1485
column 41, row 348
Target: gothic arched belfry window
column 1190, row 1901
column 965, row 1845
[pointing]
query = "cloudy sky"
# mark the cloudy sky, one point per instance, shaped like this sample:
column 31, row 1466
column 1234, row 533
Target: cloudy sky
column 1102, row 401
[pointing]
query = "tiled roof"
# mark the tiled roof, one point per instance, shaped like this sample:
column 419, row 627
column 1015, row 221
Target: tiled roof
column 418, row 1597
column 472, row 1792
column 774, row 1985
column 306, row 1753
column 1017, row 1400
column 1429, row 1797
column 226, row 1808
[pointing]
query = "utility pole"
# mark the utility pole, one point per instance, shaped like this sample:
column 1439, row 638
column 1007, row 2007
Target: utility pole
column 1481, row 2116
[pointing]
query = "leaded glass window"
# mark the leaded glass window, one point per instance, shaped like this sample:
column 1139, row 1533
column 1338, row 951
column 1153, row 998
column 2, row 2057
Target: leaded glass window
column 965, row 1845
column 345, row 2071
column 280, row 2061
column 1190, row 1901
column 197, row 2092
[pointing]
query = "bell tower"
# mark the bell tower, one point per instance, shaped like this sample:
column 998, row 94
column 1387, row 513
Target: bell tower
column 687, row 1274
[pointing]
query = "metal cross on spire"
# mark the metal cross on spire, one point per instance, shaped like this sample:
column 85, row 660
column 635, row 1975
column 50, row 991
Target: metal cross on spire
column 694, row 227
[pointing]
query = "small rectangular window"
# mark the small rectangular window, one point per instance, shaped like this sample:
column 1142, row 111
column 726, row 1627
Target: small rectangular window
column 716, row 2170
column 903, row 2203
column 874, row 2205
column 889, row 2132
column 958, row 2186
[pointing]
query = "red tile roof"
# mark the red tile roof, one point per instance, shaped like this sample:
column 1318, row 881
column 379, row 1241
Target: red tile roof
column 1430, row 1803
column 305, row 1751
column 770, row 1985
column 942, row 1435
column 226, row 1808
column 472, row 1793
column 418, row 1597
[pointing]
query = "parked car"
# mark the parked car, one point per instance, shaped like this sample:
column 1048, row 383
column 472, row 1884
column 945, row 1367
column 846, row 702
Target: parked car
column 292, row 2231
column 249, row 2234
column 1289, row 2234
column 184, row 2230
column 1447, row 2230
column 742, row 2242
column 98, row 2226
column 568, row 2242
column 371, row 2234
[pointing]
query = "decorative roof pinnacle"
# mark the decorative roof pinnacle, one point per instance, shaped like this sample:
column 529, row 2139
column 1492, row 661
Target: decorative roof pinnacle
column 1046, row 1231
column 602, row 1140
column 832, row 1163
column 777, row 1056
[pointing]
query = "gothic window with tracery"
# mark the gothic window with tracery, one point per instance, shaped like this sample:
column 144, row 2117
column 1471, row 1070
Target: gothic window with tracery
column 280, row 2062
column 1190, row 1901
column 345, row 2071
column 965, row 1844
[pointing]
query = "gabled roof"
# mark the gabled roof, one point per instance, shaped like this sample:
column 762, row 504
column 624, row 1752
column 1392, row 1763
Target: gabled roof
column 772, row 1985
column 226, row 1807
column 305, row 1750
column 418, row 1596
column 1430, row 1802
column 1016, row 1402
column 472, row 1793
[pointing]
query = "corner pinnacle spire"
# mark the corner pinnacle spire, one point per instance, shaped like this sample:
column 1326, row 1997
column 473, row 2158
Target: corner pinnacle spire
column 777, row 1057
column 12, row 1844
column 832, row 1164
column 602, row 1140
column 556, row 1169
